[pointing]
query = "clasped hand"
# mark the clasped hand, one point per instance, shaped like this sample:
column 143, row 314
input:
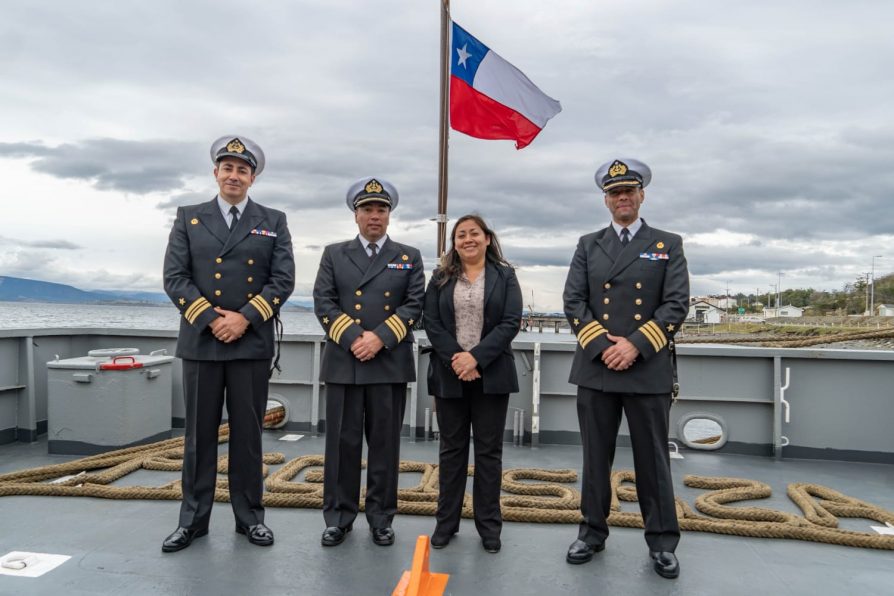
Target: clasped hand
column 465, row 366
column 621, row 355
column 229, row 325
column 366, row 346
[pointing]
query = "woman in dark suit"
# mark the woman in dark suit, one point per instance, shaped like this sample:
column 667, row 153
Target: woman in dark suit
column 473, row 309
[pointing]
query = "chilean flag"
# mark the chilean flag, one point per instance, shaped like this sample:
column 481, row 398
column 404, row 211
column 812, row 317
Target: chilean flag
column 490, row 98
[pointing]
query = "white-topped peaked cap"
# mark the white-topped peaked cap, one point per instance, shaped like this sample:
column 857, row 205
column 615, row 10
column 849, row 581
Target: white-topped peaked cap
column 240, row 147
column 371, row 190
column 623, row 172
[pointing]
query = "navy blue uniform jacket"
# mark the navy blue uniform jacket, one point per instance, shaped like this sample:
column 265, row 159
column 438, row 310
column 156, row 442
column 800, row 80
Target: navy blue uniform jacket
column 385, row 296
column 251, row 271
column 641, row 294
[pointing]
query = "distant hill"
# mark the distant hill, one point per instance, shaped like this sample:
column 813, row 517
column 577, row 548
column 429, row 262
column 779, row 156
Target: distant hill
column 17, row 289
column 119, row 295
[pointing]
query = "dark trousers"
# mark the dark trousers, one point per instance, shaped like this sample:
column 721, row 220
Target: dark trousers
column 599, row 415
column 206, row 385
column 486, row 414
column 350, row 410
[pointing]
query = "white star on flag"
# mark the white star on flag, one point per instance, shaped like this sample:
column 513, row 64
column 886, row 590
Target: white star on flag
column 463, row 55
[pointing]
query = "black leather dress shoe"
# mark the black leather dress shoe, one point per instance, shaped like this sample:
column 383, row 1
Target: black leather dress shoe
column 181, row 538
column 581, row 552
column 441, row 538
column 382, row 536
column 491, row 545
column 333, row 535
column 257, row 534
column 666, row 564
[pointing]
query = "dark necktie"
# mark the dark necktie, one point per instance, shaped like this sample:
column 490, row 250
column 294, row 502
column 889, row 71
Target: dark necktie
column 235, row 213
column 625, row 237
column 373, row 251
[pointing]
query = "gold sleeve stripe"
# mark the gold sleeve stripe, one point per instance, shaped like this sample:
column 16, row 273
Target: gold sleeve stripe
column 196, row 303
column 398, row 320
column 340, row 322
column 396, row 332
column 263, row 306
column 656, row 338
column 648, row 333
column 587, row 327
column 201, row 303
column 659, row 332
column 592, row 333
column 337, row 337
column 397, row 327
column 400, row 325
column 339, row 326
column 584, row 341
column 197, row 311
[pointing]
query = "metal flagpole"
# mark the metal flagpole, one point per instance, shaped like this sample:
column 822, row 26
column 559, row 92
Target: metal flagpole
column 442, row 149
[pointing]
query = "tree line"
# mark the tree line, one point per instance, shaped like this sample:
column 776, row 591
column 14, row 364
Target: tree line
column 852, row 299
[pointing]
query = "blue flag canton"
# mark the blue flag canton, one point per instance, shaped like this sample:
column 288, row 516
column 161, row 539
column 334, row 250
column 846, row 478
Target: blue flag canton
column 466, row 53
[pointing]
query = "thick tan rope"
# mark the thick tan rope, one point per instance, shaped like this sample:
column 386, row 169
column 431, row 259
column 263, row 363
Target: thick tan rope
column 535, row 495
column 788, row 342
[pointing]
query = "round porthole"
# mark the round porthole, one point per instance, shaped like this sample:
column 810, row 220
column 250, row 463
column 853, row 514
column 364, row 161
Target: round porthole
column 274, row 403
column 703, row 431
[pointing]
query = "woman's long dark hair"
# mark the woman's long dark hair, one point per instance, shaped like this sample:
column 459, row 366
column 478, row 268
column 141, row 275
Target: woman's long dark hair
column 451, row 267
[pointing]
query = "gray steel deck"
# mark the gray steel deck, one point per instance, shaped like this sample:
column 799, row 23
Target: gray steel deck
column 115, row 545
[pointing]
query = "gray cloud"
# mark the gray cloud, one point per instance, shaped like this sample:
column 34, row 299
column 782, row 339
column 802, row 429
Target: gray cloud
column 56, row 244
column 711, row 261
column 750, row 125
column 138, row 167
column 23, row 149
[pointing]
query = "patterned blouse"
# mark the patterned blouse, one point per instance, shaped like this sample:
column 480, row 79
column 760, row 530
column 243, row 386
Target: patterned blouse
column 468, row 302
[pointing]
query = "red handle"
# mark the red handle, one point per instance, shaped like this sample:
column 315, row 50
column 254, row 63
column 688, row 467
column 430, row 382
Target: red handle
column 115, row 365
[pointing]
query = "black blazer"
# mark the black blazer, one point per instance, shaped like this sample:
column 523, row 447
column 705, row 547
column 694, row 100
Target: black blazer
column 502, row 319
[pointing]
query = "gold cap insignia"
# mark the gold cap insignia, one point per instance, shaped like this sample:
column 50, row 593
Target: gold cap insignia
column 235, row 146
column 405, row 258
column 617, row 169
column 373, row 186
column 659, row 245
column 194, row 221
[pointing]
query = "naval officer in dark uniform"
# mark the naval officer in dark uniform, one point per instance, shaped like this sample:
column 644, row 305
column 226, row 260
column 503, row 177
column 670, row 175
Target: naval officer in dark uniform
column 368, row 293
column 626, row 295
column 228, row 268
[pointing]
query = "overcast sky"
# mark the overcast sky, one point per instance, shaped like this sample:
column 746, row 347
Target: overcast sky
column 768, row 127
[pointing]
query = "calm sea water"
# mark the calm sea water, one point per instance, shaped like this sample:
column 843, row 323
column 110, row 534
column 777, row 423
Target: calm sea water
column 33, row 315
column 27, row 315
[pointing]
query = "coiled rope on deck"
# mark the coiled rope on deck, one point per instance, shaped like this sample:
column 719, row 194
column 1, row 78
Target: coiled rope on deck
column 534, row 495
column 788, row 342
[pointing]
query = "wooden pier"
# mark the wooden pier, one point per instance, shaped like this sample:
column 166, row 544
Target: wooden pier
column 537, row 323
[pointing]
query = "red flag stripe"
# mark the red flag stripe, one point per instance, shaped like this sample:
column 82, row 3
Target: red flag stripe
column 477, row 115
